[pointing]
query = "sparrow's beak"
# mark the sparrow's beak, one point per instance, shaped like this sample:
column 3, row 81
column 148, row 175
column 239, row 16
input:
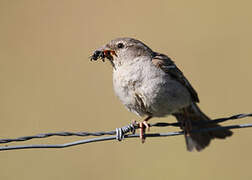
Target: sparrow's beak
column 102, row 53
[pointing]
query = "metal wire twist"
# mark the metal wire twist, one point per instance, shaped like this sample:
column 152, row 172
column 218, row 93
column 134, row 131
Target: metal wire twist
column 120, row 132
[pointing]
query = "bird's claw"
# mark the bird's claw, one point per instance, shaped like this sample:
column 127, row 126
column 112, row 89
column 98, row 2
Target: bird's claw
column 143, row 126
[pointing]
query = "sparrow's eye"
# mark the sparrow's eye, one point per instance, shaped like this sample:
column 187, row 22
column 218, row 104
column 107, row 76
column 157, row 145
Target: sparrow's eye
column 120, row 45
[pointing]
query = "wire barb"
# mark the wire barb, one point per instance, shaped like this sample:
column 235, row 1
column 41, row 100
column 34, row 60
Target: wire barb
column 119, row 134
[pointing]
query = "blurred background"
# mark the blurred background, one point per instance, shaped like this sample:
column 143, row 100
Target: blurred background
column 48, row 84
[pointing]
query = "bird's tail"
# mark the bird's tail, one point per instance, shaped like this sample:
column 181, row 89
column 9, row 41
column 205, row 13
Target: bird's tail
column 200, row 140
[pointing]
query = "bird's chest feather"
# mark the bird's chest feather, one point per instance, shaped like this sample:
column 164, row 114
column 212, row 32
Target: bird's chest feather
column 138, row 85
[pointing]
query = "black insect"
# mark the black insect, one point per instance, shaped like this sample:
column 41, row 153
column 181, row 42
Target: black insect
column 97, row 55
column 104, row 54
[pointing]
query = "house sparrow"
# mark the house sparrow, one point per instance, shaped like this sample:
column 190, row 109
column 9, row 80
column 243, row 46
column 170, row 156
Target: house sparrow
column 151, row 85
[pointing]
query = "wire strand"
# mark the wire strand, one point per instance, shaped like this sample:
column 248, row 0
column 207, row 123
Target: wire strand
column 119, row 132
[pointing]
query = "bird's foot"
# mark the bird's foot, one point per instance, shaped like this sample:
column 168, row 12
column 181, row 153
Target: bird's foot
column 143, row 126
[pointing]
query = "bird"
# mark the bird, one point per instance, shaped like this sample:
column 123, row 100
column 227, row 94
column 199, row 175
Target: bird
column 150, row 84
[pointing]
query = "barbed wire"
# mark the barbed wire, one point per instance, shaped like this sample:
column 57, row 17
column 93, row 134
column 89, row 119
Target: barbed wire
column 120, row 133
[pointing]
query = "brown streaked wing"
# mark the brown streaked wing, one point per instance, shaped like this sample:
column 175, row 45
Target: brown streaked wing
column 167, row 65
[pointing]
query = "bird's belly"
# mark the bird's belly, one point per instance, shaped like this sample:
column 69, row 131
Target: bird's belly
column 166, row 98
column 152, row 93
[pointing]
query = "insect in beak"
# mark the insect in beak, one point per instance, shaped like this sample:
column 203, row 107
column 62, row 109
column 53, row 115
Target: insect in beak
column 102, row 54
column 98, row 54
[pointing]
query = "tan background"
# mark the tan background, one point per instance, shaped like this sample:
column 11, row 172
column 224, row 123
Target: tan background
column 48, row 84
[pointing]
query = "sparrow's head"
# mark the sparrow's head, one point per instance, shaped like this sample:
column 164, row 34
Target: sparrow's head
column 122, row 50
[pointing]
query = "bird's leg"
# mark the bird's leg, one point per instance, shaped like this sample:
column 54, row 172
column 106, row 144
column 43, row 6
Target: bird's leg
column 143, row 126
